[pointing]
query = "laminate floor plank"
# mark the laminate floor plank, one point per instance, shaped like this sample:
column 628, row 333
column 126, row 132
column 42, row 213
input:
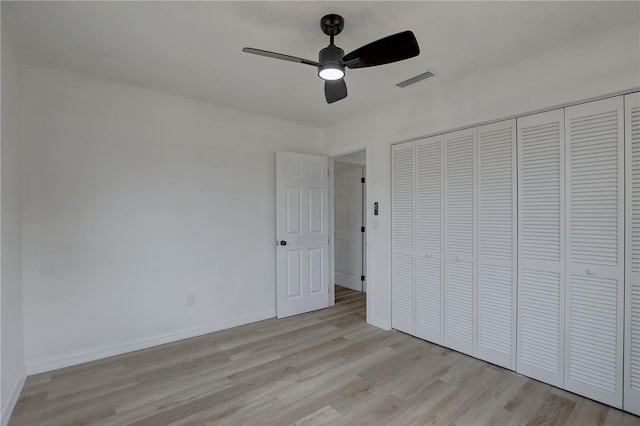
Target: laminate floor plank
column 323, row 367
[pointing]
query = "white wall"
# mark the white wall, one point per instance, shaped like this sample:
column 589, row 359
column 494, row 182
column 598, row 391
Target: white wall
column 12, row 340
column 601, row 64
column 347, row 218
column 134, row 199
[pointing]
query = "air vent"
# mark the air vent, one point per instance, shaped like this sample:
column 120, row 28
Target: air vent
column 414, row 80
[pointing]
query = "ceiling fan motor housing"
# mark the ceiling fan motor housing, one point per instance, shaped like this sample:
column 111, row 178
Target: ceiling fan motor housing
column 331, row 57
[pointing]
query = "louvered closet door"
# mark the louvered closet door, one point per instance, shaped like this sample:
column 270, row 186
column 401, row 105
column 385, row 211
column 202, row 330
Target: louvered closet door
column 497, row 243
column 429, row 259
column 402, row 238
column 595, row 250
column 541, row 226
column 632, row 233
column 460, row 229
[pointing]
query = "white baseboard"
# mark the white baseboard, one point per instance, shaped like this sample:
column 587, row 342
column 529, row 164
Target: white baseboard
column 385, row 325
column 144, row 343
column 10, row 404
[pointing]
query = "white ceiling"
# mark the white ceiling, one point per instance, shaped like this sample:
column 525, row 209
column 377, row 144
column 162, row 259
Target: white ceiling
column 193, row 49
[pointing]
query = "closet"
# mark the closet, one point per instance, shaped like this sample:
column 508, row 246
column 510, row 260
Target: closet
column 454, row 240
column 518, row 243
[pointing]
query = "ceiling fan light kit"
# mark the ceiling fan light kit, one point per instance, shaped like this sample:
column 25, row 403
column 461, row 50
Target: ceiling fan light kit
column 332, row 61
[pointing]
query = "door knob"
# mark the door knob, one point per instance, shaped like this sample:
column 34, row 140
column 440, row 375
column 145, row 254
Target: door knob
column 591, row 271
column 283, row 243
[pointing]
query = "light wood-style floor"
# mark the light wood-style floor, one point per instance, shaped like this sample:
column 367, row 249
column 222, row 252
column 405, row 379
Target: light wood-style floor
column 325, row 367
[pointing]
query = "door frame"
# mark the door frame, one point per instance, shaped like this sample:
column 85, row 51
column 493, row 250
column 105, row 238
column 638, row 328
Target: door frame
column 355, row 172
column 363, row 145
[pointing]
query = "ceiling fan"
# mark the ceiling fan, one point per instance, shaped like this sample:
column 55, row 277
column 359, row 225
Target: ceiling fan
column 332, row 60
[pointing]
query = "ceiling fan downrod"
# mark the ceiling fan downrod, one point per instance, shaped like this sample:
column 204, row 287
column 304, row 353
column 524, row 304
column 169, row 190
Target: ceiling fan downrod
column 330, row 66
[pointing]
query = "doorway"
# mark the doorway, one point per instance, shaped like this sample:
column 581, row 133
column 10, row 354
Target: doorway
column 349, row 207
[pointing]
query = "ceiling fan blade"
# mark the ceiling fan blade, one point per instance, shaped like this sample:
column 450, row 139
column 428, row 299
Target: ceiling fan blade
column 275, row 55
column 334, row 90
column 393, row 48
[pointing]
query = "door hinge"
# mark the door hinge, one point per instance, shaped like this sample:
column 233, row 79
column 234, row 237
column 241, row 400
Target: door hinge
column 362, row 229
column 361, row 277
column 361, row 180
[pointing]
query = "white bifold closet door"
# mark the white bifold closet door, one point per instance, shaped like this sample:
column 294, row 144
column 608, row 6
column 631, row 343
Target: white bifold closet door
column 429, row 238
column 460, row 239
column 632, row 276
column 595, row 250
column 402, row 237
column 497, row 248
column 541, row 228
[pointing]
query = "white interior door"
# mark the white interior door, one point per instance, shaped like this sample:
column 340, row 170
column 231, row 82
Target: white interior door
column 302, row 233
column 595, row 246
column 348, row 228
column 429, row 238
column 460, row 241
column 402, row 237
column 497, row 243
column 632, row 234
column 541, row 228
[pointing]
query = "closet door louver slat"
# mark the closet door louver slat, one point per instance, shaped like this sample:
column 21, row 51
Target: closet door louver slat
column 429, row 230
column 541, row 215
column 595, row 263
column 497, row 243
column 632, row 252
column 402, row 240
column 460, row 236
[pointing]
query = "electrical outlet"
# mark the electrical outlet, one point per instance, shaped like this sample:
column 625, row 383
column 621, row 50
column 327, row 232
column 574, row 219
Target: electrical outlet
column 191, row 299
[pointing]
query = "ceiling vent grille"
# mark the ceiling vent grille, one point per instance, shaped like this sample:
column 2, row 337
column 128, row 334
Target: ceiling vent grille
column 414, row 80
